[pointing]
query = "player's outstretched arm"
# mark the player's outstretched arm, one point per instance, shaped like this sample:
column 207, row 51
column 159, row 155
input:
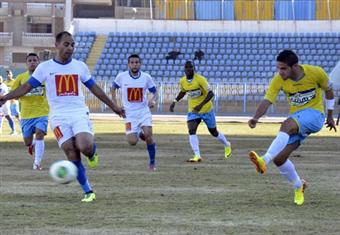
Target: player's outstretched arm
column 260, row 111
column 20, row 91
column 100, row 94
column 330, row 102
column 180, row 95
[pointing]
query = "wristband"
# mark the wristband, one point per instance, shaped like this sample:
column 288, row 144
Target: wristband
column 330, row 104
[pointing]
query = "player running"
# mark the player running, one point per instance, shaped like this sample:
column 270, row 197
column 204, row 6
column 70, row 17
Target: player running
column 5, row 108
column 200, row 107
column 135, row 85
column 14, row 104
column 34, row 112
column 69, row 115
column 303, row 86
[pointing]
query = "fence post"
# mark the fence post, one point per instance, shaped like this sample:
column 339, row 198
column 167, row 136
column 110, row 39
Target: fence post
column 244, row 97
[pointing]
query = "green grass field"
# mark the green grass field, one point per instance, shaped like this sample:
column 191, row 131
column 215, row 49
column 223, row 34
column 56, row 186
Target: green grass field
column 213, row 197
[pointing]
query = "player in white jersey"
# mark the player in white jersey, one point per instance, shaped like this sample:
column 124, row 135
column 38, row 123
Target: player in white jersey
column 68, row 112
column 5, row 108
column 135, row 85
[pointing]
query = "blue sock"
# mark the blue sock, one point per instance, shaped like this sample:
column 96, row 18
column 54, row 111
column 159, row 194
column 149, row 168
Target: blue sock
column 11, row 124
column 82, row 178
column 152, row 152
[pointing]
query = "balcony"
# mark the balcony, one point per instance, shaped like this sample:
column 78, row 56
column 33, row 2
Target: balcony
column 6, row 39
column 38, row 39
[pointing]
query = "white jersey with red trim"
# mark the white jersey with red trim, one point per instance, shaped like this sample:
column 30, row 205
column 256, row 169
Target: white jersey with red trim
column 134, row 90
column 63, row 86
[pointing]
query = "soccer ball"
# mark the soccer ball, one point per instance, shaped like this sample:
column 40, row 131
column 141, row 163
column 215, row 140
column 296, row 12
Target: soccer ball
column 63, row 172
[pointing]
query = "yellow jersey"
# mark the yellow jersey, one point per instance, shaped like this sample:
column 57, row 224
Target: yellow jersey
column 197, row 90
column 33, row 104
column 304, row 93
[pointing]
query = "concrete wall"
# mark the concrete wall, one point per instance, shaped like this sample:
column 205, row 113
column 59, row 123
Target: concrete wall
column 104, row 26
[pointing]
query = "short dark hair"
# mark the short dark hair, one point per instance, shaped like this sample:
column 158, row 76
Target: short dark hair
column 60, row 35
column 288, row 57
column 133, row 56
column 189, row 62
column 8, row 71
column 32, row 54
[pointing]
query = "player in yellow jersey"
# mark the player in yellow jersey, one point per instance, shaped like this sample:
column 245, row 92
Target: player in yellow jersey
column 34, row 113
column 303, row 85
column 200, row 108
column 14, row 104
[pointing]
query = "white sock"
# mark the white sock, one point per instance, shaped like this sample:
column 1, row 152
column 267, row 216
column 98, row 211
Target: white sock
column 33, row 141
column 288, row 171
column 39, row 149
column 222, row 139
column 278, row 144
column 1, row 121
column 193, row 139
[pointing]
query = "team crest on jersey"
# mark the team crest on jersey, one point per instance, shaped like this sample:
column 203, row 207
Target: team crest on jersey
column 67, row 85
column 135, row 94
column 302, row 97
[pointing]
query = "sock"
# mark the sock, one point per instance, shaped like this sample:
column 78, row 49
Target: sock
column 194, row 142
column 222, row 138
column 152, row 152
column 11, row 124
column 278, row 144
column 1, row 121
column 288, row 171
column 39, row 149
column 82, row 178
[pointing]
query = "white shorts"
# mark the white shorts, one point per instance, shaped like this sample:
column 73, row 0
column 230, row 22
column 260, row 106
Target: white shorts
column 4, row 109
column 65, row 128
column 134, row 121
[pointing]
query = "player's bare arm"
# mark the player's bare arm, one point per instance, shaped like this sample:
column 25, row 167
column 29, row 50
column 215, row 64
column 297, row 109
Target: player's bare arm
column 260, row 111
column 330, row 101
column 100, row 94
column 180, row 95
column 153, row 100
column 210, row 95
column 22, row 90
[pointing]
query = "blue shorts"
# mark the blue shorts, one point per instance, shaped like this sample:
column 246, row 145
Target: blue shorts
column 28, row 126
column 14, row 110
column 208, row 118
column 309, row 121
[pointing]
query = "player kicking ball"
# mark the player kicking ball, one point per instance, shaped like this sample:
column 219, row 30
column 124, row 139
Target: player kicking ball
column 135, row 86
column 303, row 85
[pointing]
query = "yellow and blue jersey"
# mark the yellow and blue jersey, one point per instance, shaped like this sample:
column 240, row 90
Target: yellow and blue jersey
column 33, row 104
column 304, row 93
column 197, row 90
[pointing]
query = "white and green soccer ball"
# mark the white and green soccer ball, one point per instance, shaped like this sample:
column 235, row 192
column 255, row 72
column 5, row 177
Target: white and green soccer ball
column 63, row 172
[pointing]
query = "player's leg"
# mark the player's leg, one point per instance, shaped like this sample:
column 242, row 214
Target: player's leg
column 151, row 146
column 288, row 127
column 15, row 110
column 193, row 121
column 73, row 154
column 11, row 124
column 288, row 171
column 210, row 121
column 1, row 121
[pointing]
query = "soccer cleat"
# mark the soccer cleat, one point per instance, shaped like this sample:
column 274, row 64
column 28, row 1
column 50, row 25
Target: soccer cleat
column 37, row 167
column 31, row 149
column 89, row 197
column 13, row 133
column 152, row 167
column 258, row 161
column 93, row 161
column 227, row 151
column 195, row 159
column 299, row 197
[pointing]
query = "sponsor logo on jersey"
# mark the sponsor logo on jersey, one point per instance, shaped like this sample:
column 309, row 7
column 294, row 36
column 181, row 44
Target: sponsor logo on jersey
column 135, row 94
column 301, row 98
column 67, row 85
column 195, row 93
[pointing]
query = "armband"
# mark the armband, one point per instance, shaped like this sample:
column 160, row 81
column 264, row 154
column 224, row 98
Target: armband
column 330, row 104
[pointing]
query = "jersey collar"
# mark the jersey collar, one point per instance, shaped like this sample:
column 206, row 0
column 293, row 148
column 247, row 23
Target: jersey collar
column 58, row 62
column 135, row 77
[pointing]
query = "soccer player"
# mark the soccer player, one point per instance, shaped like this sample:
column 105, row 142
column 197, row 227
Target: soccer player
column 303, row 86
column 34, row 112
column 69, row 115
column 5, row 109
column 14, row 103
column 135, row 85
column 200, row 107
